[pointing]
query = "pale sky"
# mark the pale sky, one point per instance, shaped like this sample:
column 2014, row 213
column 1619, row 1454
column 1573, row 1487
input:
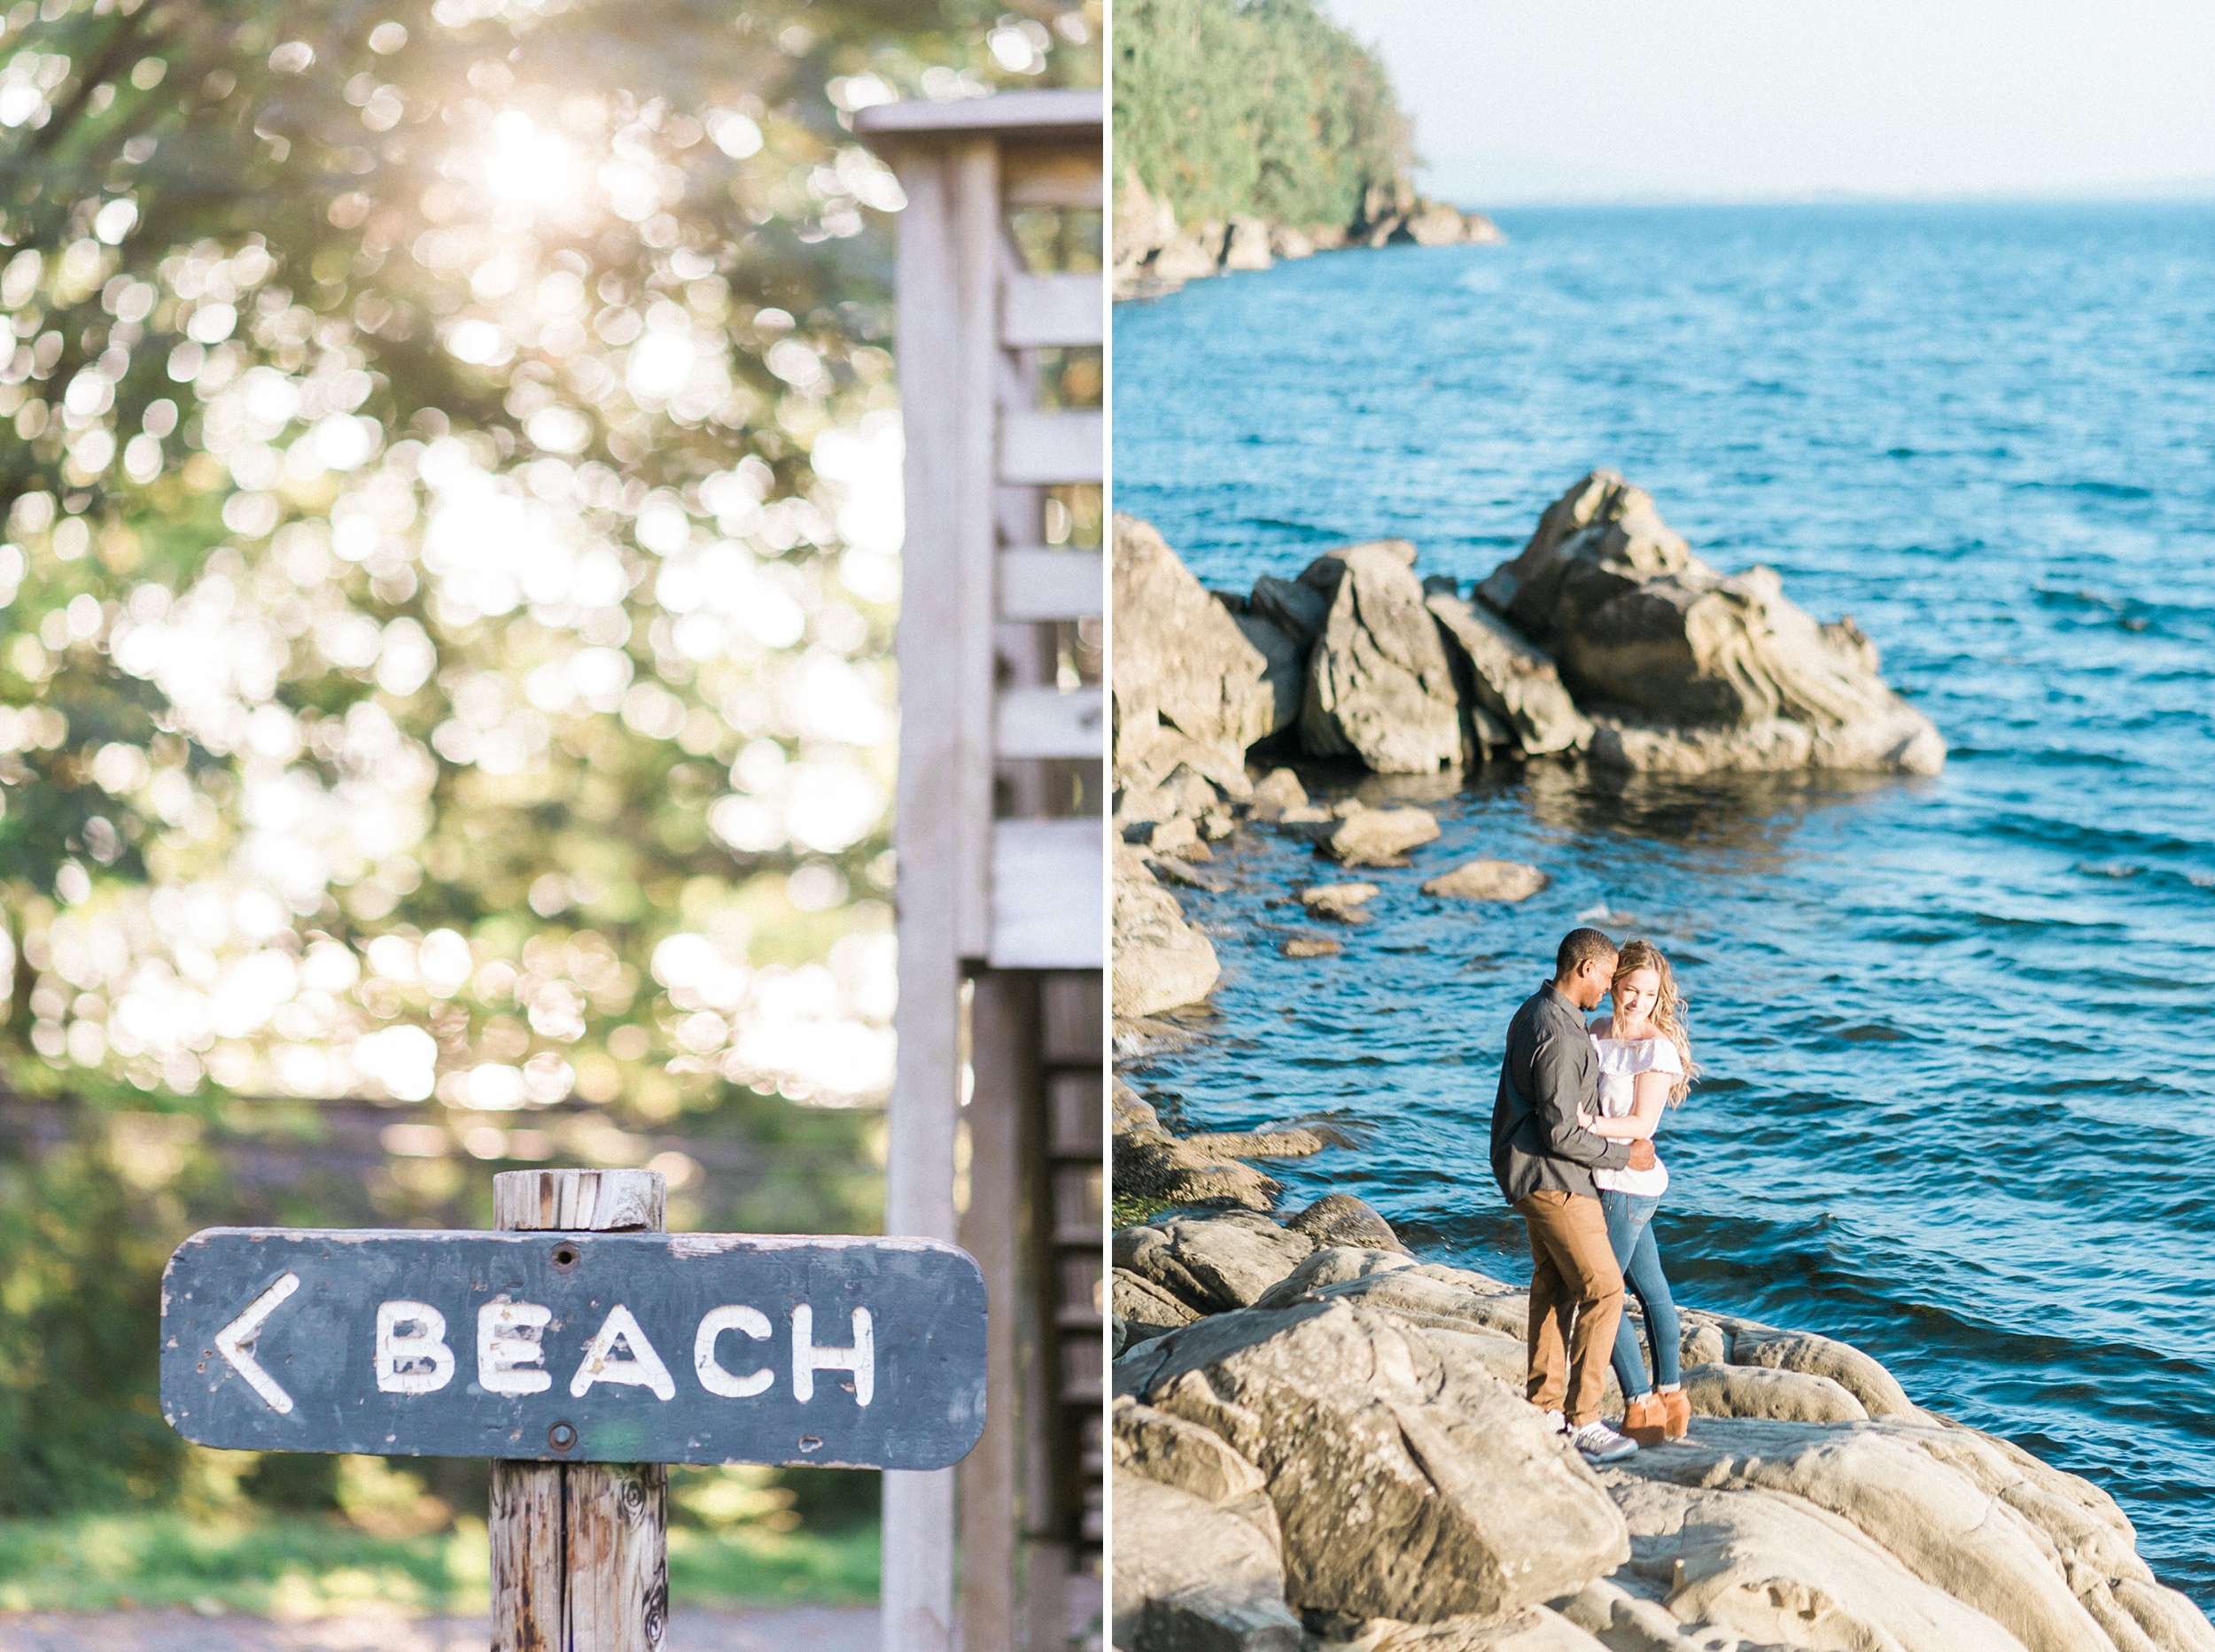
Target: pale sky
column 1590, row 100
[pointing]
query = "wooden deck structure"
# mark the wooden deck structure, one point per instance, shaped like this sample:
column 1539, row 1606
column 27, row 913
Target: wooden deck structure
column 996, row 1131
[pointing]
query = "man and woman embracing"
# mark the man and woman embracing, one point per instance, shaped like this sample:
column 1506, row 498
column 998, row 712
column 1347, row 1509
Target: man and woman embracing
column 1573, row 1151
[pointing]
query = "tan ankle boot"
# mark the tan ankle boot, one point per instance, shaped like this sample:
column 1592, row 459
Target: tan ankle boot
column 1676, row 1413
column 1644, row 1422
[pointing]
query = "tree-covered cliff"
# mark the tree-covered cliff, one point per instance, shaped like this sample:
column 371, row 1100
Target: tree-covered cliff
column 1252, row 106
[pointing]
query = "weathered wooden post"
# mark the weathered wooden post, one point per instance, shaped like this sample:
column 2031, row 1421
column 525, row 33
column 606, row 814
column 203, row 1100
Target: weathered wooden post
column 579, row 1549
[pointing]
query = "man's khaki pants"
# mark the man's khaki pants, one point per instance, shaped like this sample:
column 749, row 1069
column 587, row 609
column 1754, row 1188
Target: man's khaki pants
column 1576, row 1298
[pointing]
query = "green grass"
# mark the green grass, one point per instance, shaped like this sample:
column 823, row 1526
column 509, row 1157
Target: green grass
column 727, row 1568
column 304, row 1565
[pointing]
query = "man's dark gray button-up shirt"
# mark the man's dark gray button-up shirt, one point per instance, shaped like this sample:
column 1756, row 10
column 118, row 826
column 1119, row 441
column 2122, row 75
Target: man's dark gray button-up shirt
column 1550, row 1070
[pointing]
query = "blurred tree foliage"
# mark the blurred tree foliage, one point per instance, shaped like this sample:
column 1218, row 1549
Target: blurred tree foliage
column 1252, row 106
column 447, row 553
column 79, row 1294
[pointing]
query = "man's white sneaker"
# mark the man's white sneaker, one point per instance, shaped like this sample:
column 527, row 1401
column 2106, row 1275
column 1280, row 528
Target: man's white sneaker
column 1599, row 1443
column 1556, row 1424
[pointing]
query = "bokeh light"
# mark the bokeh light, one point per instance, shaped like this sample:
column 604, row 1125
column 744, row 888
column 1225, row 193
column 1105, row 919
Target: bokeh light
column 446, row 602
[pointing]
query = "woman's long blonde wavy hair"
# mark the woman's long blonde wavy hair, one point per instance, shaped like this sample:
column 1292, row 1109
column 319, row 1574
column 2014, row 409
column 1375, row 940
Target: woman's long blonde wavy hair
column 1668, row 1008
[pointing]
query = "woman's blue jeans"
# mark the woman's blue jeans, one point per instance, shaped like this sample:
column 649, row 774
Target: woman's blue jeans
column 1630, row 1231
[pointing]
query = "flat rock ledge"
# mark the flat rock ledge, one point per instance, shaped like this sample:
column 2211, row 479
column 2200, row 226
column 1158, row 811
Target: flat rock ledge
column 1320, row 1442
column 1151, row 1163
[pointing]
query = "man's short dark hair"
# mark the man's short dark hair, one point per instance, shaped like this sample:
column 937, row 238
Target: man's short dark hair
column 1577, row 947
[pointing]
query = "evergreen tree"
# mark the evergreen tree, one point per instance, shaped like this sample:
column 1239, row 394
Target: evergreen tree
column 1252, row 106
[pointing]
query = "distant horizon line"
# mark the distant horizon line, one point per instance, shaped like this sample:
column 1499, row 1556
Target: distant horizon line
column 2198, row 191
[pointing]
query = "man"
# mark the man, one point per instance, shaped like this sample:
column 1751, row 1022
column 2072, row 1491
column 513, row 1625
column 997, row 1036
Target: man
column 1543, row 1160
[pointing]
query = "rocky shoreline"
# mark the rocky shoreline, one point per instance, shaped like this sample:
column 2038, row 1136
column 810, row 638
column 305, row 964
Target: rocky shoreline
column 1320, row 1442
column 1155, row 255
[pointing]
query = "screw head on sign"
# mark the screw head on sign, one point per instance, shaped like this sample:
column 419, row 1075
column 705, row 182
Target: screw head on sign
column 561, row 1437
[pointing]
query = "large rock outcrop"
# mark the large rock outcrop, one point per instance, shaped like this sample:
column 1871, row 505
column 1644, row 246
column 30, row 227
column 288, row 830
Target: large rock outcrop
column 1144, row 224
column 1378, row 685
column 1408, row 1485
column 1180, row 662
column 1285, row 667
column 1161, row 961
column 1780, row 1574
column 1293, row 606
column 1246, row 246
column 1929, row 1516
column 1504, row 674
column 1363, row 1411
column 1688, row 669
column 1191, row 1573
column 1605, row 637
column 1601, row 522
column 1153, row 255
column 1214, row 1263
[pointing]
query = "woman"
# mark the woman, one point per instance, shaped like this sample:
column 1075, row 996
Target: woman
column 1645, row 1065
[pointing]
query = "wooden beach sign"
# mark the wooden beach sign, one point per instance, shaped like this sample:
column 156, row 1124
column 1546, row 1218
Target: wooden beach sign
column 582, row 1350
column 610, row 1347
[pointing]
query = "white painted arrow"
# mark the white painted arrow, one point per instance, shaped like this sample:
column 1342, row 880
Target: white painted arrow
column 236, row 1342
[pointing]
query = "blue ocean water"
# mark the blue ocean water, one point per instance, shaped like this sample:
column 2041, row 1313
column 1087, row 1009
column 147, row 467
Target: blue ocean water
column 1959, row 1033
